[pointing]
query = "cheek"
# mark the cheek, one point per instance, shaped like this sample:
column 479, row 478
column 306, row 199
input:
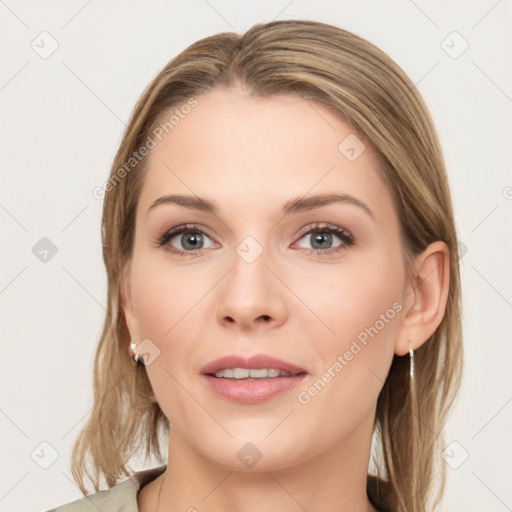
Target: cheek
column 164, row 295
column 351, row 364
column 359, row 307
column 161, row 299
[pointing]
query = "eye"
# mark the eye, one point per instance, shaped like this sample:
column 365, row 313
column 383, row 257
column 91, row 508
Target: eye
column 190, row 237
column 322, row 237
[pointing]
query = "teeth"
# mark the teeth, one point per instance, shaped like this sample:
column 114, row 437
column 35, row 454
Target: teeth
column 256, row 374
column 246, row 373
column 241, row 373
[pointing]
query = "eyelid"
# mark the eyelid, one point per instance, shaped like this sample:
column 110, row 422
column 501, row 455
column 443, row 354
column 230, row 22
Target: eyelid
column 317, row 226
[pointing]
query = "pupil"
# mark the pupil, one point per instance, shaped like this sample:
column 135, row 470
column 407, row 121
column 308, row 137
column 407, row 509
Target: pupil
column 325, row 237
column 195, row 239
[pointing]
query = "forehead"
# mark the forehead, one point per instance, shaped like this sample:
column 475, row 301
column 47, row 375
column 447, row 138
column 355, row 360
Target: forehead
column 246, row 152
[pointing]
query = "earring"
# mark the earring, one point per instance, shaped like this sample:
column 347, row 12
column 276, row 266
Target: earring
column 411, row 366
column 136, row 356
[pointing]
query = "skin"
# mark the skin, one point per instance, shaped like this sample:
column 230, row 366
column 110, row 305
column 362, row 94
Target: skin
column 251, row 156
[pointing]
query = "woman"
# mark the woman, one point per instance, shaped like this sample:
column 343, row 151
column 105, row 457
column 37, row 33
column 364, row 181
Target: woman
column 283, row 285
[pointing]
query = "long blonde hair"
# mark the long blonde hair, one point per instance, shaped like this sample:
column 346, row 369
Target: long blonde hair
column 368, row 90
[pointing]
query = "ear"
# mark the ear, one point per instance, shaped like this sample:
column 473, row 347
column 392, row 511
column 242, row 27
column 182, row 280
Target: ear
column 425, row 297
column 126, row 302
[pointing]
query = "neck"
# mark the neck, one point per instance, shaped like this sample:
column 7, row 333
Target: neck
column 333, row 481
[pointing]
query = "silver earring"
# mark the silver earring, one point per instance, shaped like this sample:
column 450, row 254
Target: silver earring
column 136, row 356
column 411, row 368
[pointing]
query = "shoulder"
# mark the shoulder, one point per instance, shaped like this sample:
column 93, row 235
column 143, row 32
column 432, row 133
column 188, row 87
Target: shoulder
column 119, row 498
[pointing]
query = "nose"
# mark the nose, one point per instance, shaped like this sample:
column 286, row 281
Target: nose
column 251, row 296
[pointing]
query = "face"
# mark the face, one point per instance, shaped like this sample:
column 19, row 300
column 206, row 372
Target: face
column 315, row 284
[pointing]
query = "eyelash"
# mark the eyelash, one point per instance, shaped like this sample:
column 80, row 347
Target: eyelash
column 347, row 238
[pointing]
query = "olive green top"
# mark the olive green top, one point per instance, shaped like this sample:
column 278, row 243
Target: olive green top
column 119, row 498
column 123, row 496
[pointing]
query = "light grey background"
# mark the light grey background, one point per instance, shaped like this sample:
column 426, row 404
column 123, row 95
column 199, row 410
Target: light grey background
column 62, row 119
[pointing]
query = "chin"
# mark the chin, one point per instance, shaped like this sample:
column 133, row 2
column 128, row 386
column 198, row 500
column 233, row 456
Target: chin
column 256, row 453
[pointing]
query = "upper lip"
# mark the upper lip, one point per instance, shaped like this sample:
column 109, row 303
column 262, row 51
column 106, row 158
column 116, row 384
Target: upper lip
column 253, row 362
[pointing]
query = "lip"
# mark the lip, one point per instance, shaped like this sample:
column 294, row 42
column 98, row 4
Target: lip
column 251, row 391
column 253, row 362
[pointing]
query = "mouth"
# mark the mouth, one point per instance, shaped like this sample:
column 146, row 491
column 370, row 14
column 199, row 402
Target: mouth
column 251, row 380
column 250, row 374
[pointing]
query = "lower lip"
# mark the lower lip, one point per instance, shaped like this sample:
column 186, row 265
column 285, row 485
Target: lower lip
column 252, row 391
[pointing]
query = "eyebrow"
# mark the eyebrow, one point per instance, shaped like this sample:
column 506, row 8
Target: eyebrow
column 294, row 206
